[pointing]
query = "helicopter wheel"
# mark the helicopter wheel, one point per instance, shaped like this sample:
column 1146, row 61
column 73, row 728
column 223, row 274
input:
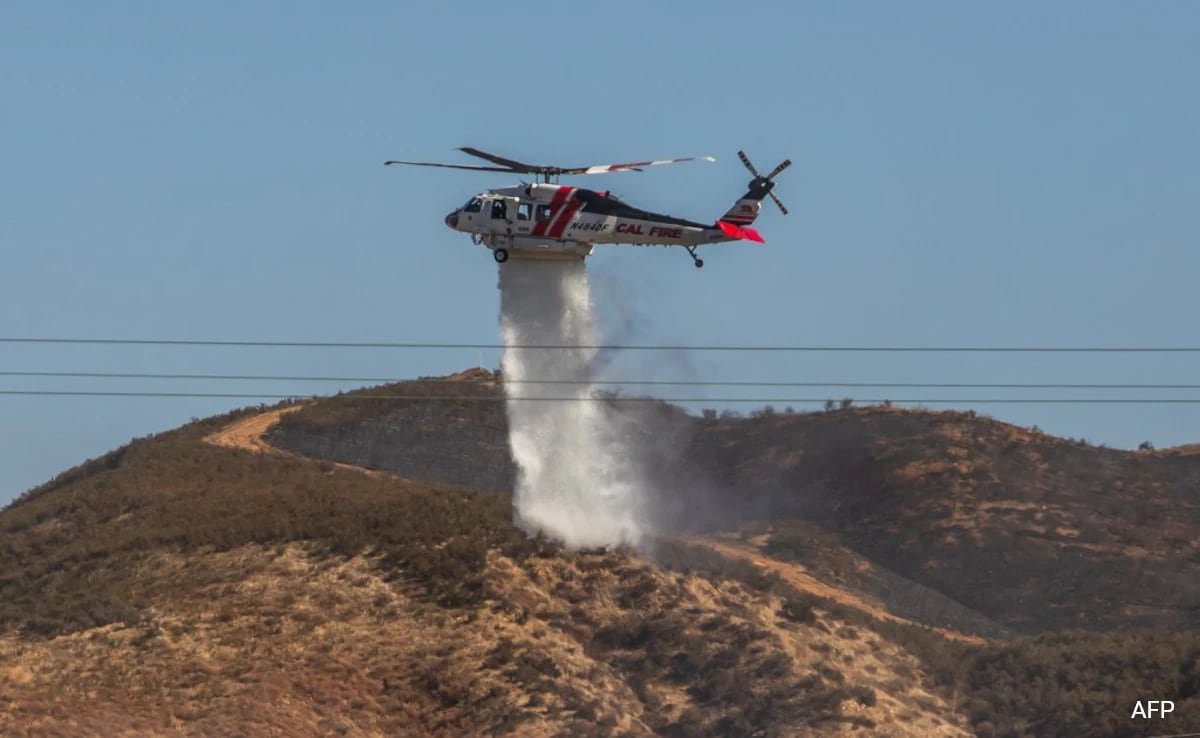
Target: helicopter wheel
column 699, row 263
column 500, row 255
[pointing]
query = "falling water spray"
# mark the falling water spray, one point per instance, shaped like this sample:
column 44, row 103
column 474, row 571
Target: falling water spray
column 575, row 481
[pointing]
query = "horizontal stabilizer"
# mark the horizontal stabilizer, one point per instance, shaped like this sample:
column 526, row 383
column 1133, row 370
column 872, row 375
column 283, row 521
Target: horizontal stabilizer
column 736, row 231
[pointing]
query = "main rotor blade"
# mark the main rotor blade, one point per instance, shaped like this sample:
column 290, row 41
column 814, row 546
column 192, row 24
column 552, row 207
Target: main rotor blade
column 742, row 156
column 782, row 165
column 782, row 209
column 636, row 166
column 453, row 166
column 510, row 163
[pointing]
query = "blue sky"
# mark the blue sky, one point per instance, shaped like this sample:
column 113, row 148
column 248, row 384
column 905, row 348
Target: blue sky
column 965, row 174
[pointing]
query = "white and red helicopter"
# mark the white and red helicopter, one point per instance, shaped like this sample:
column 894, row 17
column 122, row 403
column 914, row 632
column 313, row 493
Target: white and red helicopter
column 549, row 220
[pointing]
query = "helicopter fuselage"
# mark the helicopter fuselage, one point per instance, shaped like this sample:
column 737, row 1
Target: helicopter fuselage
column 551, row 220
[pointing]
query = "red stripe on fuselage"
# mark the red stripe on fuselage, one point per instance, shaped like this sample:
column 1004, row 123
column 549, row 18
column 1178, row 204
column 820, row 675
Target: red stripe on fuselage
column 564, row 217
column 560, row 195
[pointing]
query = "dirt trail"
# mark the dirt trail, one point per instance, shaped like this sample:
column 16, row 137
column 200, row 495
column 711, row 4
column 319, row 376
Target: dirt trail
column 798, row 577
column 247, row 433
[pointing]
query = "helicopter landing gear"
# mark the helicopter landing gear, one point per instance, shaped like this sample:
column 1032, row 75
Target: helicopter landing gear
column 695, row 259
column 500, row 255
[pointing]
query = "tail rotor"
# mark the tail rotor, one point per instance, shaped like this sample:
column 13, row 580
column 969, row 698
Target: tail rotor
column 764, row 185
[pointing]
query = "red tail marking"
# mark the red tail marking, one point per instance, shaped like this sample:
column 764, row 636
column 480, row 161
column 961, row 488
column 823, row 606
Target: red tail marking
column 753, row 235
column 539, row 229
column 742, row 232
column 564, row 217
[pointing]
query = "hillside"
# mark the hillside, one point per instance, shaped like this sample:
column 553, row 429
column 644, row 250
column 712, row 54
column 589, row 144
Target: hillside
column 1028, row 531
column 215, row 580
column 1036, row 532
column 185, row 583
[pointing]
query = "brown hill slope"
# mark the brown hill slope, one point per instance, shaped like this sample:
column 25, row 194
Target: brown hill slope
column 1022, row 529
column 1034, row 531
column 179, row 586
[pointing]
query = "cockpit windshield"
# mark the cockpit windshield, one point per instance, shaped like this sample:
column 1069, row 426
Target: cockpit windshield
column 473, row 205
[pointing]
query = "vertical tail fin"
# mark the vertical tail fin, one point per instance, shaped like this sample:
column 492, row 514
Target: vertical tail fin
column 744, row 211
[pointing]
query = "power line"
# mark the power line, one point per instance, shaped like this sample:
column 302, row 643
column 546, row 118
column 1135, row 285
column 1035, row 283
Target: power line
column 530, row 398
column 604, row 347
column 602, row 382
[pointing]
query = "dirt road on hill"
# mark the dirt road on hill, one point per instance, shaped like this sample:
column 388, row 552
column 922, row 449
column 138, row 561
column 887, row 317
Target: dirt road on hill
column 247, row 433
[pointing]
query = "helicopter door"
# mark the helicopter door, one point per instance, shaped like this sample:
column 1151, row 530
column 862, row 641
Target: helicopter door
column 502, row 212
column 523, row 220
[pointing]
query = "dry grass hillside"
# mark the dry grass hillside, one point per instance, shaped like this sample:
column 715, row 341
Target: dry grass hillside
column 954, row 516
column 187, row 586
column 1036, row 532
column 207, row 581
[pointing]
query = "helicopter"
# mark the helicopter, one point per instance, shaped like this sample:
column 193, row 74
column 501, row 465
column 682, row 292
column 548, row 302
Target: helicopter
column 548, row 220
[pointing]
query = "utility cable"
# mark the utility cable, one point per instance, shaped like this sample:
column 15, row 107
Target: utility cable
column 533, row 398
column 600, row 382
column 605, row 347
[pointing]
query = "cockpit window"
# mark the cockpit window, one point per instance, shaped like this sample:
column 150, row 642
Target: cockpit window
column 473, row 205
